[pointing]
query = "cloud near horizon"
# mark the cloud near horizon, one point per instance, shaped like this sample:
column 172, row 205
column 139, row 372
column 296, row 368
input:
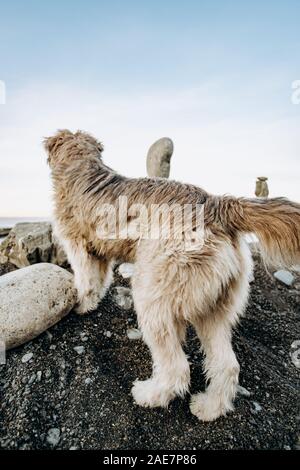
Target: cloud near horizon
column 222, row 142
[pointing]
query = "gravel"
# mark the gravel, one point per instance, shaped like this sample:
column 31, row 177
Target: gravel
column 66, row 410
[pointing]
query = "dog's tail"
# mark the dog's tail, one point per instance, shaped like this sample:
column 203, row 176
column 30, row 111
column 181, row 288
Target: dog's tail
column 276, row 223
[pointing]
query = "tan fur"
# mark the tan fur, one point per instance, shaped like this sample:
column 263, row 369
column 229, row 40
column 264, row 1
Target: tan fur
column 206, row 285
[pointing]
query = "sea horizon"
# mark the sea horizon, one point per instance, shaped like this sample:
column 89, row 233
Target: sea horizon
column 9, row 222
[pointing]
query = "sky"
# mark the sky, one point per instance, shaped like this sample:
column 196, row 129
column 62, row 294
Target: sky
column 215, row 76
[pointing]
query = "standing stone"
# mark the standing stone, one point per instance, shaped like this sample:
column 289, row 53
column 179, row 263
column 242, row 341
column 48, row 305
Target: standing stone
column 31, row 300
column 159, row 158
column 261, row 188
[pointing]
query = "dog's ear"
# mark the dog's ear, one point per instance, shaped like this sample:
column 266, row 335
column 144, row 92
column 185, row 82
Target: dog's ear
column 51, row 144
column 89, row 138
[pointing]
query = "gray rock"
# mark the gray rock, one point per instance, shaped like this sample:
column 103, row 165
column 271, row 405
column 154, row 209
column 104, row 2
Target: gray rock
column 4, row 231
column 256, row 407
column 32, row 379
column 122, row 297
column 27, row 357
column 32, row 299
column 108, row 334
column 159, row 158
column 30, row 243
column 285, row 277
column 83, row 337
column 243, row 391
column 126, row 270
column 39, row 375
column 79, row 349
column 134, row 333
column 295, row 353
column 53, row 436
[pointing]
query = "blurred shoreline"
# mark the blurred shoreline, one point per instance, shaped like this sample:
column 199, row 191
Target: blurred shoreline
column 9, row 222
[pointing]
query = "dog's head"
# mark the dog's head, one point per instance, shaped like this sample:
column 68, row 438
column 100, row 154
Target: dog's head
column 65, row 147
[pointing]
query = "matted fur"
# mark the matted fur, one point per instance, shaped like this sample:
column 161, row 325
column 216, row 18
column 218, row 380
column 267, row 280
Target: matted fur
column 172, row 286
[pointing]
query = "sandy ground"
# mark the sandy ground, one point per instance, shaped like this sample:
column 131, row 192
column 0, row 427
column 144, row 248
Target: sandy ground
column 62, row 399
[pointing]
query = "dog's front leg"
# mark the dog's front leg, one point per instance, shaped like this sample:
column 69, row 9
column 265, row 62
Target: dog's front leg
column 92, row 276
column 171, row 370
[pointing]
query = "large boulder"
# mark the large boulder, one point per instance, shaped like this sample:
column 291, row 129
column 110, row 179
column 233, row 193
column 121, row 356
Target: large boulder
column 30, row 243
column 159, row 158
column 31, row 300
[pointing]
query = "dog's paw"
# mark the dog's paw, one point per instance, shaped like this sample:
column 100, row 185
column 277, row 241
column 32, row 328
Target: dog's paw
column 87, row 304
column 148, row 394
column 208, row 407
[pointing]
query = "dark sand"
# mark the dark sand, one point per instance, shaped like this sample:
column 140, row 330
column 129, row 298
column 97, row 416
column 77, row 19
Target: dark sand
column 101, row 414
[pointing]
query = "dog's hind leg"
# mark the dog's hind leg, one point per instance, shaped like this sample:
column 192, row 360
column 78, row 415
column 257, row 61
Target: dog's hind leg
column 92, row 276
column 163, row 335
column 215, row 330
column 226, row 301
column 221, row 368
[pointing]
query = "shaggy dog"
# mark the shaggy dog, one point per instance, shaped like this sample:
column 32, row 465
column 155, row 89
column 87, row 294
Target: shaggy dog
column 204, row 283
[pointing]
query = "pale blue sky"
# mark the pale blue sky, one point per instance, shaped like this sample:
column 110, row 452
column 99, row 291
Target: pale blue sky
column 215, row 76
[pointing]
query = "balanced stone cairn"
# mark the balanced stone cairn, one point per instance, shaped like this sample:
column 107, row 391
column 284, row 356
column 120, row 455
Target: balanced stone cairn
column 261, row 188
column 159, row 158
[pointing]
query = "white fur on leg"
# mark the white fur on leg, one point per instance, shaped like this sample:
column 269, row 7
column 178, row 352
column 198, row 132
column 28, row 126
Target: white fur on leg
column 222, row 370
column 217, row 400
column 92, row 291
column 161, row 388
column 89, row 278
column 171, row 371
column 207, row 407
column 87, row 302
column 164, row 335
column 149, row 393
column 221, row 366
